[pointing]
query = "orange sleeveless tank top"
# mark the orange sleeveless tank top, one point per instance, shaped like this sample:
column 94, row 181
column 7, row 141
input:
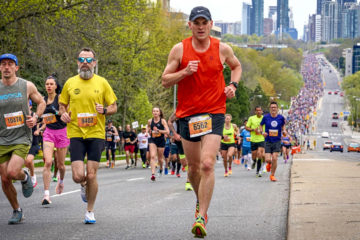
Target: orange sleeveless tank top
column 203, row 91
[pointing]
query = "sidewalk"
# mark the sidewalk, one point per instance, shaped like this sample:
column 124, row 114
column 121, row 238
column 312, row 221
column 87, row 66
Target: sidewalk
column 349, row 135
column 324, row 199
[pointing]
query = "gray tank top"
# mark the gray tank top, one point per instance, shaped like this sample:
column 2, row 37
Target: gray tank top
column 13, row 110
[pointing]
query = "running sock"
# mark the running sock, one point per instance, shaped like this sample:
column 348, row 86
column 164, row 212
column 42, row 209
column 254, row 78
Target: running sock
column 258, row 165
column 61, row 181
column 19, row 209
column 178, row 167
column 46, row 192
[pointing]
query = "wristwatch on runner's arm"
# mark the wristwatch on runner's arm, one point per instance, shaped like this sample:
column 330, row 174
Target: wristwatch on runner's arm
column 235, row 84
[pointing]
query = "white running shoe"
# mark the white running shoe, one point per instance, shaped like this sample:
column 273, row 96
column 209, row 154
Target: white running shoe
column 89, row 218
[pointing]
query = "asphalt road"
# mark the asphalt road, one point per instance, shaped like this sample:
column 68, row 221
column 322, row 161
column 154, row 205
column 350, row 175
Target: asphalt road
column 130, row 206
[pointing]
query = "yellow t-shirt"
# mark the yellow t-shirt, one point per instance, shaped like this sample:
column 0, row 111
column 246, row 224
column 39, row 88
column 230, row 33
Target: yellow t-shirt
column 254, row 122
column 81, row 96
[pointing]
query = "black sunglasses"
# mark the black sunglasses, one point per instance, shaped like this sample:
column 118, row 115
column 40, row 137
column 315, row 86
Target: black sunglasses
column 88, row 60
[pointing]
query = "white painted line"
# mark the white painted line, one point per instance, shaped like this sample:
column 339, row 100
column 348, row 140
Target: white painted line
column 313, row 159
column 65, row 193
column 134, row 179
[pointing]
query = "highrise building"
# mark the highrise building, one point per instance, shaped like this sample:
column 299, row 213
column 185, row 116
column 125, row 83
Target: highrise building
column 291, row 19
column 233, row 28
column 268, row 26
column 272, row 11
column 349, row 20
column 245, row 23
column 257, row 17
column 356, row 58
column 282, row 22
column 330, row 21
column 347, row 54
column 319, row 6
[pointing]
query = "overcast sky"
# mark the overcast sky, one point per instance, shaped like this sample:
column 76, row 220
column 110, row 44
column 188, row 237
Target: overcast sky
column 230, row 10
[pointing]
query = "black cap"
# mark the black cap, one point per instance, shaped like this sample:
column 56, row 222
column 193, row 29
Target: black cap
column 200, row 11
column 109, row 121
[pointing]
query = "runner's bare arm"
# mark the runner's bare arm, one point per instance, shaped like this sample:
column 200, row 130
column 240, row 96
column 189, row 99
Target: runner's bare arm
column 227, row 56
column 148, row 126
column 111, row 109
column 65, row 116
column 171, row 76
column 36, row 97
column 166, row 131
column 171, row 120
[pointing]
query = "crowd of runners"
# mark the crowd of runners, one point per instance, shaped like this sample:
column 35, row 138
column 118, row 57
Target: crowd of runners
column 72, row 119
column 299, row 115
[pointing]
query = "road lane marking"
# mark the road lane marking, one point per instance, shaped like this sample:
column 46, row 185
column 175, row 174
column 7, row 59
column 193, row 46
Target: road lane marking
column 134, row 179
column 312, row 159
column 65, row 193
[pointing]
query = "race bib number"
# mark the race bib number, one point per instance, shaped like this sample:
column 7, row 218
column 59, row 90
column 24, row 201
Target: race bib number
column 49, row 118
column 108, row 137
column 200, row 125
column 87, row 119
column 14, row 120
column 155, row 134
column 127, row 140
column 143, row 141
column 273, row 133
column 248, row 139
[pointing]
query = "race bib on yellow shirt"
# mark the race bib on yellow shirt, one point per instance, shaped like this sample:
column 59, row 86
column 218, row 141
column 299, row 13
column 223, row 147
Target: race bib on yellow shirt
column 200, row 125
column 14, row 120
column 273, row 133
column 87, row 119
column 49, row 118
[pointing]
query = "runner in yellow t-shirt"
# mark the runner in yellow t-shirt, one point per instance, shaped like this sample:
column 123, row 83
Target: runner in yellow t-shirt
column 257, row 139
column 82, row 107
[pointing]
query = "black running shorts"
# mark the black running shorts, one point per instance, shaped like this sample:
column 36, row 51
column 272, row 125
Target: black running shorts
column 92, row 147
column 218, row 121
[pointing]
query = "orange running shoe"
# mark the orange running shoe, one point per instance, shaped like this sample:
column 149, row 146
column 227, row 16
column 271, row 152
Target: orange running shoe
column 273, row 178
column 268, row 167
column 198, row 228
column 226, row 174
column 230, row 171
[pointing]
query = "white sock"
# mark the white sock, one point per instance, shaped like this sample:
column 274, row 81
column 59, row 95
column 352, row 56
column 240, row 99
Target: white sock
column 26, row 178
column 47, row 193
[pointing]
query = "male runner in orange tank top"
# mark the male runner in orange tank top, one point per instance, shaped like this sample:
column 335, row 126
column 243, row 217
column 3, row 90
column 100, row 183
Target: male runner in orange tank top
column 196, row 65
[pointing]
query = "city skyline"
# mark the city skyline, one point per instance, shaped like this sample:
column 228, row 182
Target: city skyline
column 231, row 10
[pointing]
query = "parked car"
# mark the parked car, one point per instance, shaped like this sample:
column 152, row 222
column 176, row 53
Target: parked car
column 334, row 124
column 325, row 135
column 341, row 94
column 353, row 147
column 329, row 92
column 336, row 146
column 327, row 145
column 336, row 92
column 335, row 115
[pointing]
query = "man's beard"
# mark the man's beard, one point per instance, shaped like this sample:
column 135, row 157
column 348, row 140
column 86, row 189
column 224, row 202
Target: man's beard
column 86, row 73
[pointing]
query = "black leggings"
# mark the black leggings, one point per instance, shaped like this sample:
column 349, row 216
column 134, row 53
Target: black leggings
column 112, row 153
column 143, row 152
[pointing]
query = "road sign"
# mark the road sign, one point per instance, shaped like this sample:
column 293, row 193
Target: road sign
column 135, row 124
column 346, row 113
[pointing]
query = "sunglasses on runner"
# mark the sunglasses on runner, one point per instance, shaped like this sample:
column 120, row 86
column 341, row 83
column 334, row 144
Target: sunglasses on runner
column 88, row 60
